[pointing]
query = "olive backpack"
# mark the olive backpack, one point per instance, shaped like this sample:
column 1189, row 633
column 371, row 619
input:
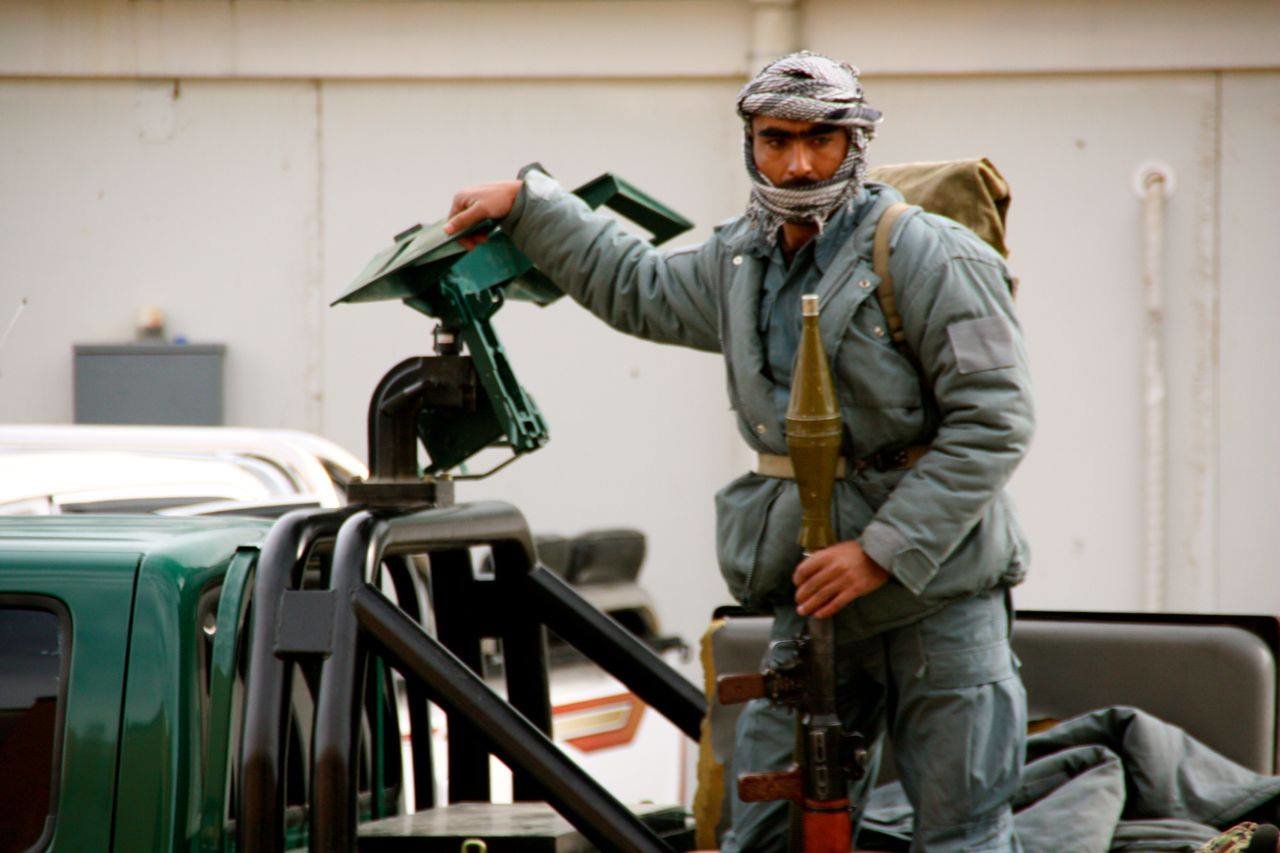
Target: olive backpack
column 972, row 192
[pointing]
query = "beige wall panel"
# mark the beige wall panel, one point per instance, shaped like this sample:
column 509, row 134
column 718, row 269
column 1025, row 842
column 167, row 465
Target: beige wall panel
column 1003, row 36
column 1069, row 148
column 647, row 38
column 640, row 434
column 199, row 200
column 454, row 38
column 1250, row 315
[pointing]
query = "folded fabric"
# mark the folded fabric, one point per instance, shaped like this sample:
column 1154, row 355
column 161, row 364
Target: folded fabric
column 1113, row 779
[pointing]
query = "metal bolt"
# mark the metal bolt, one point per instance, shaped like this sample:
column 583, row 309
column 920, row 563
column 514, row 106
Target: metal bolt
column 1154, row 173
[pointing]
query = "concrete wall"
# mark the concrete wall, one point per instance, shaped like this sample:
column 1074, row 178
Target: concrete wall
column 236, row 163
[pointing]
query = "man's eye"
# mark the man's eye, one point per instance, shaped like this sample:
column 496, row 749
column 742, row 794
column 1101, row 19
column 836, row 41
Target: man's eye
column 773, row 144
column 821, row 141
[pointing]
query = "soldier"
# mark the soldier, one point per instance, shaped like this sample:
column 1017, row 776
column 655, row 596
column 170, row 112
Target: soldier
column 930, row 545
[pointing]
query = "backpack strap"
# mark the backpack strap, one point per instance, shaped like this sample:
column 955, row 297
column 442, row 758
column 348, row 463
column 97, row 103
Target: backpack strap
column 880, row 264
column 889, row 303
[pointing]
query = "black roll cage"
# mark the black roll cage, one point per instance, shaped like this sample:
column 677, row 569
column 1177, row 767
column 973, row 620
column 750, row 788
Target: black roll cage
column 338, row 627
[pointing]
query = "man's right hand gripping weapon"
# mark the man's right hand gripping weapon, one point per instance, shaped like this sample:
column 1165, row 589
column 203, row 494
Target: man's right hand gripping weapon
column 828, row 758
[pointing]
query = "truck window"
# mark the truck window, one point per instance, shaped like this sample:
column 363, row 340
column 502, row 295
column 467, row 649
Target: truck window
column 34, row 640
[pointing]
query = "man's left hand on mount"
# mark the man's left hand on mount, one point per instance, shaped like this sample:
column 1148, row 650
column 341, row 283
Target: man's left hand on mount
column 829, row 579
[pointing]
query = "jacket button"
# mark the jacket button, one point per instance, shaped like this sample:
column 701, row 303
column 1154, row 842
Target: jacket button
column 864, row 283
column 761, row 429
column 737, row 260
column 879, row 332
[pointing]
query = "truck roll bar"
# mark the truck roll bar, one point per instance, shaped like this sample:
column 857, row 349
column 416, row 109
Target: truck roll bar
column 517, row 732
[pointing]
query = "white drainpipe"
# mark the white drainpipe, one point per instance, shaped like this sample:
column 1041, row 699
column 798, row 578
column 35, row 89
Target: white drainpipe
column 1154, row 184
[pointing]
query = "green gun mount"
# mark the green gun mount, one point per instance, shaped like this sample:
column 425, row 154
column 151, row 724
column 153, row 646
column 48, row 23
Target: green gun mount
column 457, row 404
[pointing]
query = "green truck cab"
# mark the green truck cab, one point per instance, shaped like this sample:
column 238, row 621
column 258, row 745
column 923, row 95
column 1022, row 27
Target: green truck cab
column 120, row 643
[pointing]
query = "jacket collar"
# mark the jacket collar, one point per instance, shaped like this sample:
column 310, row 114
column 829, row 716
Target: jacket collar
column 879, row 197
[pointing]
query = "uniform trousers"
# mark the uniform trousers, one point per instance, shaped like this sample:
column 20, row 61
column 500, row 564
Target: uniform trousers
column 946, row 692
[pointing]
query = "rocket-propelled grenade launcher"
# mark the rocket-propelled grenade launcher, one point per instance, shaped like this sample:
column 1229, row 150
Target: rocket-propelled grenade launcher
column 828, row 758
column 465, row 403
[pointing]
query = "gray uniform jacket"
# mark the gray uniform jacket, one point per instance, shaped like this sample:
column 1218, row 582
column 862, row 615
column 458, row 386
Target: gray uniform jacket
column 945, row 528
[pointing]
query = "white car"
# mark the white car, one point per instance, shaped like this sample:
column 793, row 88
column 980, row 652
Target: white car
column 286, row 462
column 51, row 482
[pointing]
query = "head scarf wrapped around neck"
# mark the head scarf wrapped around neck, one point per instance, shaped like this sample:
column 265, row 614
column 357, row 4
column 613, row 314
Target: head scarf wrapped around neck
column 806, row 86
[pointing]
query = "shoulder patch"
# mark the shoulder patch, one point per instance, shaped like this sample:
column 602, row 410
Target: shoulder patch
column 985, row 343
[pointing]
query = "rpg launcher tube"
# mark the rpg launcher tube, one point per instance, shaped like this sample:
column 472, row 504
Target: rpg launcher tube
column 813, row 441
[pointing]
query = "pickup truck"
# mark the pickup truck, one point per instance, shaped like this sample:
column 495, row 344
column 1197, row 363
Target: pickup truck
column 124, row 662
column 116, row 633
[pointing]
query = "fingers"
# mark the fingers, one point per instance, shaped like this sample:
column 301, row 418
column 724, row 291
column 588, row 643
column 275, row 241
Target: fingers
column 823, row 576
column 476, row 204
column 820, row 587
column 811, row 565
column 820, row 599
column 827, row 593
column 836, row 603
column 461, row 202
column 464, row 213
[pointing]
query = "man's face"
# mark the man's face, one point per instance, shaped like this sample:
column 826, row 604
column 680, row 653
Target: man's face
column 797, row 153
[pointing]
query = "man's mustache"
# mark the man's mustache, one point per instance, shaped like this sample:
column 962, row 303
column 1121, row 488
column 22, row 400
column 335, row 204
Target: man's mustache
column 797, row 184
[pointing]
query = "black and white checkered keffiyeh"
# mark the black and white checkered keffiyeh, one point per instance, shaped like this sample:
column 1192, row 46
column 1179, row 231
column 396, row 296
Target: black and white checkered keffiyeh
column 807, row 86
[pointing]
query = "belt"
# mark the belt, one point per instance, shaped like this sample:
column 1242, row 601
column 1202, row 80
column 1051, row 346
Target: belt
column 776, row 465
